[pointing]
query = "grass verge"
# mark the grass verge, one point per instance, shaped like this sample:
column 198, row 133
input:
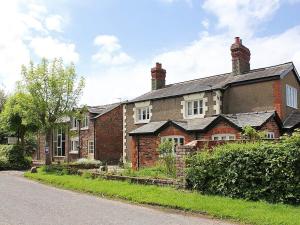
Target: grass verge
column 220, row 207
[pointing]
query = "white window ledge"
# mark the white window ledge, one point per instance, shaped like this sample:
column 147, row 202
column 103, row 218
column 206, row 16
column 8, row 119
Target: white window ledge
column 73, row 152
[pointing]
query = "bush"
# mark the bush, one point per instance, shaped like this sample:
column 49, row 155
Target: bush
column 85, row 163
column 13, row 157
column 165, row 150
column 254, row 171
column 62, row 169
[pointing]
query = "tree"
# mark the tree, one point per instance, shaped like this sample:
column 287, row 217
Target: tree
column 2, row 99
column 55, row 92
column 16, row 117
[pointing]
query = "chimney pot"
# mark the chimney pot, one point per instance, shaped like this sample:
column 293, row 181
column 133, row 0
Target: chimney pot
column 240, row 57
column 158, row 75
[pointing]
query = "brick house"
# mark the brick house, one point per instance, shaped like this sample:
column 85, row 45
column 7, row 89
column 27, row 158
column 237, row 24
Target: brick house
column 98, row 135
column 211, row 108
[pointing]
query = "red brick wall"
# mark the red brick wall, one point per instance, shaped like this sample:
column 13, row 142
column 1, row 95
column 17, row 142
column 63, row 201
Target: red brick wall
column 277, row 97
column 148, row 145
column 86, row 135
column 222, row 128
column 272, row 126
column 109, row 136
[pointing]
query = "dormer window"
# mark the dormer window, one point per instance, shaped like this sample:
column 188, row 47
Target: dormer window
column 85, row 122
column 142, row 112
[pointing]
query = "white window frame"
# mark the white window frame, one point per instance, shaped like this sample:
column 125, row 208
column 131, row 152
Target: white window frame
column 91, row 150
column 188, row 102
column 142, row 112
column 194, row 108
column 270, row 135
column 74, row 123
column 74, row 145
column 85, row 122
column 291, row 96
column 223, row 137
column 59, row 142
column 175, row 140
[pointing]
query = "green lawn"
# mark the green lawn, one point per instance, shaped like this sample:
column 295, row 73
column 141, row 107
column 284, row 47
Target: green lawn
column 220, row 207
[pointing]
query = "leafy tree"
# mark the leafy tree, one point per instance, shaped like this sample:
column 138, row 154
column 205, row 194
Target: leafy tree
column 16, row 117
column 55, row 92
column 3, row 98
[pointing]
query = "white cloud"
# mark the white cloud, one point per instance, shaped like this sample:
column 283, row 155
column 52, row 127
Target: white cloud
column 241, row 17
column 23, row 25
column 54, row 22
column 205, row 23
column 110, row 51
column 206, row 56
column 50, row 48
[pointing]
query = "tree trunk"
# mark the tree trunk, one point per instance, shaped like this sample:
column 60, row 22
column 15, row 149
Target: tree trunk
column 47, row 147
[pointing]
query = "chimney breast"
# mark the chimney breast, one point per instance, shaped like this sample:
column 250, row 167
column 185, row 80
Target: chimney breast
column 158, row 77
column 240, row 57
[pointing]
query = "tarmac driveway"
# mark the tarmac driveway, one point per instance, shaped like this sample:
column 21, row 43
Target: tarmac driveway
column 27, row 202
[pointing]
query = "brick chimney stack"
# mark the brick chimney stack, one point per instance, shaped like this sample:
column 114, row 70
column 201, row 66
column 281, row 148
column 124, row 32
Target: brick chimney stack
column 158, row 75
column 240, row 57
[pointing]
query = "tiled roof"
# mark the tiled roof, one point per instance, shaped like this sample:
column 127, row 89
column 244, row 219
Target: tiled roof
column 254, row 119
column 102, row 109
column 214, row 82
column 151, row 127
column 292, row 120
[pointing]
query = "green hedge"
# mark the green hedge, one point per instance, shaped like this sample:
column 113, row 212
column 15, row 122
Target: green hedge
column 254, row 171
column 12, row 157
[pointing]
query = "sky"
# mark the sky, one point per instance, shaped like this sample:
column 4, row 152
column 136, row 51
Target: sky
column 114, row 43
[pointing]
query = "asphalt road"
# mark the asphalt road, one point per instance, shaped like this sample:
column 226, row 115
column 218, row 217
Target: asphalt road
column 24, row 202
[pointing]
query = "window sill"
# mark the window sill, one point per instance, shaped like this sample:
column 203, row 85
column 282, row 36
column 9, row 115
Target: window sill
column 74, row 129
column 84, row 128
column 73, row 152
column 195, row 116
column 292, row 107
column 57, row 156
column 142, row 122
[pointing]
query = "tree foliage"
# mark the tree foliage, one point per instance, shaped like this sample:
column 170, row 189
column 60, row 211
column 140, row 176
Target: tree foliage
column 54, row 88
column 17, row 116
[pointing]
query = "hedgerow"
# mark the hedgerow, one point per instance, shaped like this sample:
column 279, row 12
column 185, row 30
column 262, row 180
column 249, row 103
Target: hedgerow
column 12, row 157
column 254, row 170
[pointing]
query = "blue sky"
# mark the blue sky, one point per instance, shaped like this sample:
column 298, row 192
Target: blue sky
column 114, row 43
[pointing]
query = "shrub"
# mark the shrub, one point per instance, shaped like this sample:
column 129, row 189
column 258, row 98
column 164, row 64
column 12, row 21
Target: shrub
column 253, row 170
column 165, row 150
column 62, row 169
column 85, row 163
column 13, row 157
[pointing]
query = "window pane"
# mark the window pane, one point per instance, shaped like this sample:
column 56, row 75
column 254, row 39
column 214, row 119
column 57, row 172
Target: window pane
column 181, row 140
column 200, row 107
column 196, row 107
column 189, row 108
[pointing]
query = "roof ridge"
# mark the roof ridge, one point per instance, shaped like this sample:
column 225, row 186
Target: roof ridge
column 249, row 113
column 228, row 73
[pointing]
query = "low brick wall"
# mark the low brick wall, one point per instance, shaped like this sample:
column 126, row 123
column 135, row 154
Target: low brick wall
column 137, row 180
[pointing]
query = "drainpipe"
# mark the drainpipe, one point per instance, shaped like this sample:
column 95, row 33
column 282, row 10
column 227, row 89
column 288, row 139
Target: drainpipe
column 79, row 142
column 138, row 152
column 94, row 120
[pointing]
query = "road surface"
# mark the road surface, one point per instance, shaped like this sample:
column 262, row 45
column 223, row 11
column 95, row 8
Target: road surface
column 25, row 202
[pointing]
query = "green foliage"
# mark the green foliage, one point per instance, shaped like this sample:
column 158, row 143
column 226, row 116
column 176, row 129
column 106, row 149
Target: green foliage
column 253, row 171
column 244, row 212
column 85, row 163
column 252, row 134
column 13, row 157
column 16, row 116
column 3, row 98
column 165, row 150
column 157, row 171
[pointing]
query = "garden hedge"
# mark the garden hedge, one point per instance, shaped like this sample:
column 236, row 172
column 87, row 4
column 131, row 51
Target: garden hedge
column 255, row 171
column 12, row 157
